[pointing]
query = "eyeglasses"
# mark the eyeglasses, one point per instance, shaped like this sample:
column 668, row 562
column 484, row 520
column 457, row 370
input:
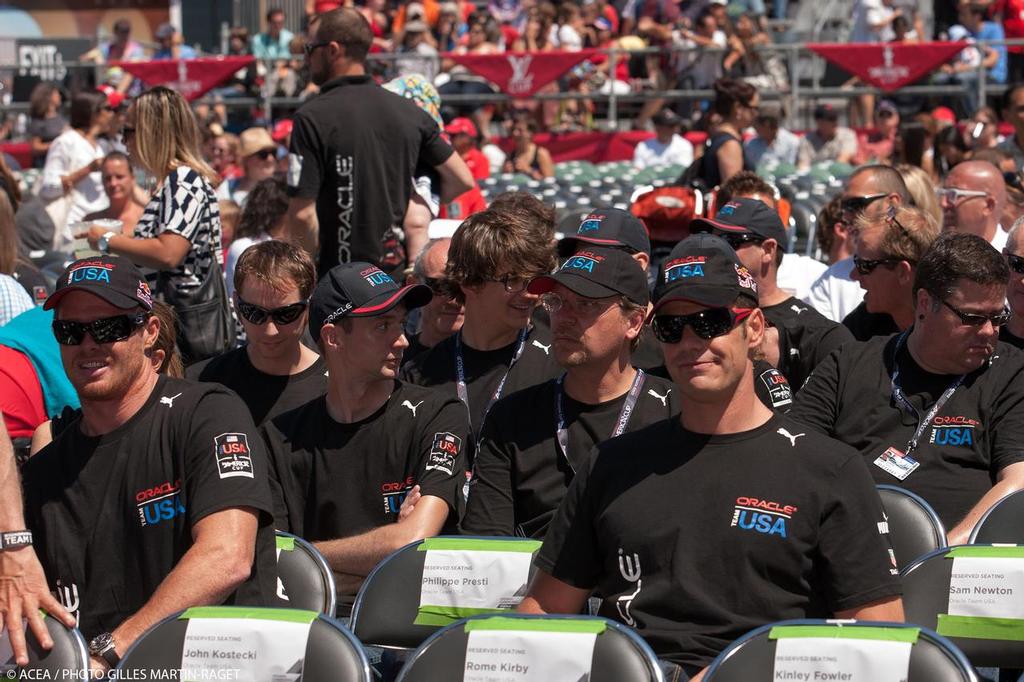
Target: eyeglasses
column 1016, row 263
column 103, row 330
column 286, row 314
column 865, row 266
column 439, row 285
column 309, row 48
column 976, row 319
column 707, row 324
column 515, row 284
column 265, row 154
column 738, row 240
column 584, row 307
column 856, row 205
column 954, row 194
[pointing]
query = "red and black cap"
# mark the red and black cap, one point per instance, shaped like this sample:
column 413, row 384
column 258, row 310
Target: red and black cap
column 359, row 290
column 114, row 279
column 605, row 227
column 703, row 269
column 744, row 216
column 597, row 273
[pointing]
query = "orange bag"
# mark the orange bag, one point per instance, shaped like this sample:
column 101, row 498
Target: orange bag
column 667, row 212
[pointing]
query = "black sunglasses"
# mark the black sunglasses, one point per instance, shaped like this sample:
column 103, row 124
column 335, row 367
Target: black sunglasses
column 286, row 314
column 707, row 324
column 865, row 266
column 976, row 319
column 1016, row 263
column 856, row 205
column 103, row 330
column 439, row 285
column 265, row 154
column 308, row 48
column 738, row 240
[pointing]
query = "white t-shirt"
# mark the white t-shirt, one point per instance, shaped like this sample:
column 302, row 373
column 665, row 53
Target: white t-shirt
column 68, row 153
column 999, row 240
column 797, row 273
column 568, row 39
column 234, row 253
column 650, row 153
column 835, row 294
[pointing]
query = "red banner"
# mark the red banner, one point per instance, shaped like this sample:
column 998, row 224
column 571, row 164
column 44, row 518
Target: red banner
column 193, row 78
column 888, row 66
column 521, row 73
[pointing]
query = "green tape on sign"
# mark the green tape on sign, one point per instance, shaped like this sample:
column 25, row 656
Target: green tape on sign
column 972, row 551
column 845, row 632
column 588, row 626
column 440, row 616
column 470, row 545
column 976, row 627
column 253, row 613
column 285, row 544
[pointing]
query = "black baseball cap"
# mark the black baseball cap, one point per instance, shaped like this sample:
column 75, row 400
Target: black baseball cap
column 359, row 290
column 826, row 112
column 744, row 216
column 704, row 269
column 596, row 273
column 607, row 227
column 114, row 279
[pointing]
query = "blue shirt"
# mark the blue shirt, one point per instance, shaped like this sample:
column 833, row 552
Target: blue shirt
column 184, row 52
column 990, row 30
column 265, row 47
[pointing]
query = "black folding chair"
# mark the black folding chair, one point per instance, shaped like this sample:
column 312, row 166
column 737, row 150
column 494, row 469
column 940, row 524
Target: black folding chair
column 1002, row 523
column 69, row 653
column 914, row 527
column 306, row 581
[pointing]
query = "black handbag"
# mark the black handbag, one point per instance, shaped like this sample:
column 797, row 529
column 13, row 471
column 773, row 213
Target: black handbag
column 206, row 326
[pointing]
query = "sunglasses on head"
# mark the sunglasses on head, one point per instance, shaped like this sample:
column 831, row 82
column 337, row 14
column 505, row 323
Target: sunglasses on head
column 286, row 314
column 103, row 330
column 977, row 319
column 707, row 324
column 856, row 205
column 865, row 266
column 1016, row 263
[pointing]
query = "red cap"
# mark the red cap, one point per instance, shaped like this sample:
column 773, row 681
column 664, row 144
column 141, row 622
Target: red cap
column 114, row 98
column 461, row 125
column 943, row 114
column 282, row 129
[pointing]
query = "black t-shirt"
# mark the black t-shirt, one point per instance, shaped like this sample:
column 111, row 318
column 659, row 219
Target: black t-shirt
column 112, row 515
column 648, row 354
column 520, row 475
column 414, row 350
column 266, row 395
column 354, row 148
column 339, row 480
column 806, row 337
column 485, row 369
column 1007, row 337
column 978, row 432
column 771, row 385
column 865, row 326
column 695, row 540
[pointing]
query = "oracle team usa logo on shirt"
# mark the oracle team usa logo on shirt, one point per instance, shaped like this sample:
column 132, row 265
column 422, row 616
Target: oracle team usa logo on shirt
column 443, row 452
column 233, row 455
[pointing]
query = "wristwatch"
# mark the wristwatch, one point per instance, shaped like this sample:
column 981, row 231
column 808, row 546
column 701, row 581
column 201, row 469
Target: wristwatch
column 15, row 539
column 103, row 243
column 103, row 646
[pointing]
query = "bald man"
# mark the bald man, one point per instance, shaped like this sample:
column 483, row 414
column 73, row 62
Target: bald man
column 973, row 197
column 1013, row 331
column 443, row 316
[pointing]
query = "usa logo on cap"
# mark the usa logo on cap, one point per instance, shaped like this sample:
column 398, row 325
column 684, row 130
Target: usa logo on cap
column 374, row 276
column 584, row 260
column 90, row 271
column 685, row 268
column 590, row 223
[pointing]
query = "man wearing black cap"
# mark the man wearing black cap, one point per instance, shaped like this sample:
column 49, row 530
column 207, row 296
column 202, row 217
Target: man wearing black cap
column 755, row 231
column 347, row 460
column 155, row 495
column 535, row 440
column 830, row 141
column 667, row 147
column 659, row 515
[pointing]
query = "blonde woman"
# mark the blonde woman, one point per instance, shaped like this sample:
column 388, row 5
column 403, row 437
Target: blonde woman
column 179, row 234
column 922, row 190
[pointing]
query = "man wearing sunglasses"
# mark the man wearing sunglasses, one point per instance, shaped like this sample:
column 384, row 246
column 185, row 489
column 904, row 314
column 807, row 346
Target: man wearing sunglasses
column 444, row 315
column 155, row 497
column 937, row 409
column 274, row 371
column 973, row 197
column 756, row 233
column 657, row 516
column 535, row 440
column 346, row 461
column 1013, row 331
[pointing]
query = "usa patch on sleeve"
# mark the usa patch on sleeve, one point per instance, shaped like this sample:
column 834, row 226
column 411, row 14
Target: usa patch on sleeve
column 443, row 452
column 233, row 455
column 778, row 387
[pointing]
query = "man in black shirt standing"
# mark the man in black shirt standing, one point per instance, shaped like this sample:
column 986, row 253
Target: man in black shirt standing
column 1013, row 331
column 444, row 315
column 354, row 148
column 274, row 371
column 659, row 515
column 535, row 440
column 155, row 496
column 939, row 408
column 347, row 460
column 493, row 257
column 806, row 337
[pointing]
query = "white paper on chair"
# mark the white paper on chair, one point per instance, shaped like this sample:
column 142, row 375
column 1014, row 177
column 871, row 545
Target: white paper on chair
column 474, row 579
column 514, row 656
column 252, row 650
column 811, row 659
column 986, row 587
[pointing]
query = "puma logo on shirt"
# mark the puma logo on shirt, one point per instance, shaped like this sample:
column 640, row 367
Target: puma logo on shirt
column 797, row 309
column 544, row 348
column 169, row 402
column 791, row 437
column 662, row 398
column 412, row 408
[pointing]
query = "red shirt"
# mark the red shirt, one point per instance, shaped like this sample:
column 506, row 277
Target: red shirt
column 478, row 164
column 1013, row 20
column 21, row 395
column 465, row 205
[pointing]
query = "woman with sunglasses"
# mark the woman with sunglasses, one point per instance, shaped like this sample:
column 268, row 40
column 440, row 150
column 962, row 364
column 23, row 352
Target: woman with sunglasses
column 70, row 184
column 179, row 232
column 258, row 155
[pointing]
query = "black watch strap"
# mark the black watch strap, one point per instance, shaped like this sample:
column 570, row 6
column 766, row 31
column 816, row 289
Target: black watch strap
column 103, row 646
column 15, row 539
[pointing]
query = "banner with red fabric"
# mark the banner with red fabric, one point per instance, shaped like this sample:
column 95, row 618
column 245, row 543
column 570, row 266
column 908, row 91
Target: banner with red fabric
column 521, row 73
column 193, row 78
column 888, row 66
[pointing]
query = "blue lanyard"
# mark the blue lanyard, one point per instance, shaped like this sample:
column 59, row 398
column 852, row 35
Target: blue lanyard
column 460, row 375
column 901, row 399
column 562, row 432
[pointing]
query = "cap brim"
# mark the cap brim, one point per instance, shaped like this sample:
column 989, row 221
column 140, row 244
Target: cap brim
column 413, row 295
column 713, row 297
column 114, row 298
column 574, row 283
column 709, row 225
column 567, row 245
